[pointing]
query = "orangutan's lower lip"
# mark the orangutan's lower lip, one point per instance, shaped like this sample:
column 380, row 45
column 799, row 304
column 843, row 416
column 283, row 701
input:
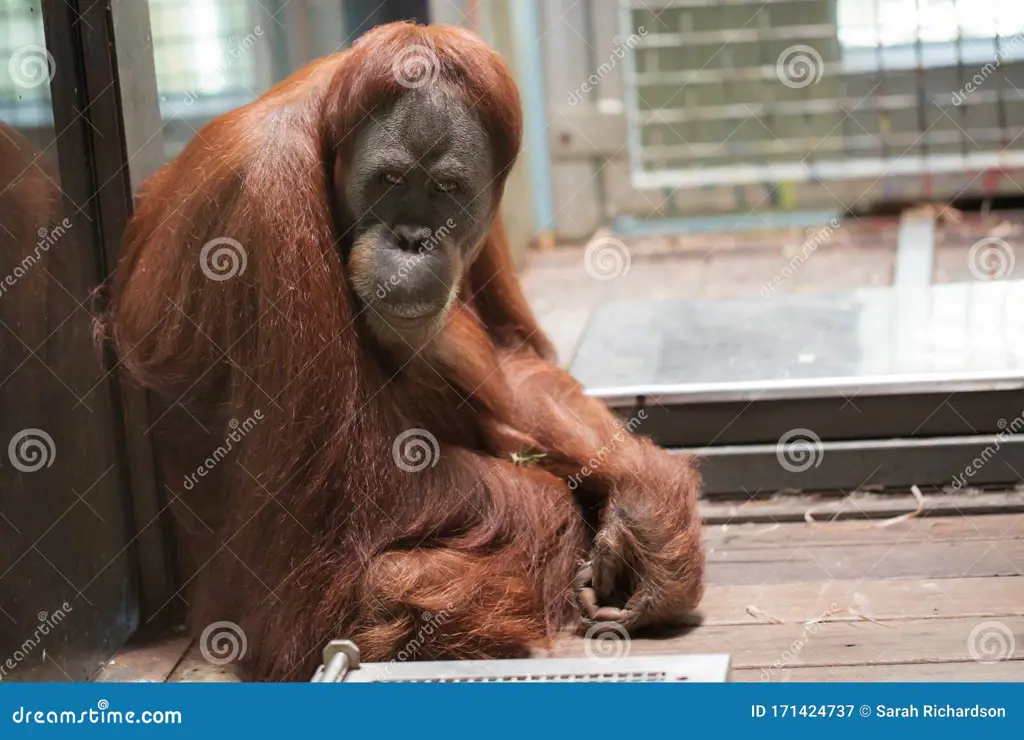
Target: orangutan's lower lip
column 408, row 315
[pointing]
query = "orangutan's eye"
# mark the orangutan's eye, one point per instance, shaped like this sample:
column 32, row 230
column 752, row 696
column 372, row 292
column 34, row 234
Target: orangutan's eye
column 447, row 186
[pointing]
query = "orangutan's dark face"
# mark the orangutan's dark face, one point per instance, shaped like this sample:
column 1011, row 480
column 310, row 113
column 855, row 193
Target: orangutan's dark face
column 419, row 194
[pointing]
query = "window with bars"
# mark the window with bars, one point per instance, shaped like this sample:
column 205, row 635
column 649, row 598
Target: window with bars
column 207, row 58
column 742, row 91
column 24, row 94
column 207, row 53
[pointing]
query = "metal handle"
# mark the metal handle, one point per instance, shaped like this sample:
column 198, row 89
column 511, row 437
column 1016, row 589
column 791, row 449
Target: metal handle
column 340, row 656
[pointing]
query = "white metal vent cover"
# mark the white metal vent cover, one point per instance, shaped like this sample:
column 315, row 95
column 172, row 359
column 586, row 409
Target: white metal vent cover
column 341, row 664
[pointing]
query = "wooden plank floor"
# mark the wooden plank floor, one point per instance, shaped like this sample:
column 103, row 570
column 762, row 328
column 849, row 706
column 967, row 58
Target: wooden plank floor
column 854, row 601
column 791, row 600
column 838, row 601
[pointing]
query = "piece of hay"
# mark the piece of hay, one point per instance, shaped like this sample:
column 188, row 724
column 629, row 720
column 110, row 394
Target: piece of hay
column 809, row 517
column 909, row 515
column 758, row 613
column 527, row 457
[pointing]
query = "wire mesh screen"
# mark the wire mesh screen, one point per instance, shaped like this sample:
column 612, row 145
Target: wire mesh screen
column 742, row 91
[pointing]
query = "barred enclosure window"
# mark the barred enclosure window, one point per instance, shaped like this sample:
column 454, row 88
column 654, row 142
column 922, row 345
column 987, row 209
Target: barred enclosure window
column 26, row 66
column 201, row 47
column 746, row 91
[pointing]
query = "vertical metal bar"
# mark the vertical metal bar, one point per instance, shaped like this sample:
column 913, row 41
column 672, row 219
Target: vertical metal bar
column 336, row 669
column 922, row 98
column 526, row 37
column 1001, row 86
column 843, row 87
column 884, row 119
column 122, row 106
column 960, row 75
column 597, row 160
column 634, row 140
column 95, row 561
column 284, row 57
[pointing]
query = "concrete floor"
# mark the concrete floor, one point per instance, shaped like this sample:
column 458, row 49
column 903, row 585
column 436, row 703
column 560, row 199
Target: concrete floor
column 857, row 254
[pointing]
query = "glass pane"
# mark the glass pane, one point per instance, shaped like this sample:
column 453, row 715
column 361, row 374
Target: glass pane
column 214, row 56
column 66, row 594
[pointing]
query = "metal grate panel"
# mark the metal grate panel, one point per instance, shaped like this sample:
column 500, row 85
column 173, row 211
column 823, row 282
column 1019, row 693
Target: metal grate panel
column 341, row 664
column 748, row 91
